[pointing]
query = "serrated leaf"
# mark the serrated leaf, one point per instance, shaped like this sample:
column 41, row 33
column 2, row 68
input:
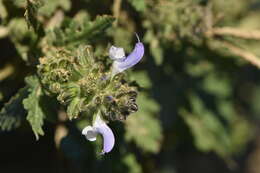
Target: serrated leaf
column 76, row 33
column 31, row 13
column 13, row 113
column 208, row 131
column 143, row 127
column 32, row 105
column 206, row 138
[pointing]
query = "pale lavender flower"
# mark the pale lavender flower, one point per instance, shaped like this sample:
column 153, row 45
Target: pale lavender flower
column 121, row 62
column 102, row 128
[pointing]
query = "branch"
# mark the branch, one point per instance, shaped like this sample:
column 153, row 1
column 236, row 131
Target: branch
column 6, row 71
column 116, row 10
column 248, row 56
column 61, row 130
column 3, row 32
column 245, row 34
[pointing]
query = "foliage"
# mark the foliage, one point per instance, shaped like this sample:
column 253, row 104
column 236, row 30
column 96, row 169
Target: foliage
column 149, row 130
column 86, row 31
column 32, row 105
column 197, row 86
column 13, row 113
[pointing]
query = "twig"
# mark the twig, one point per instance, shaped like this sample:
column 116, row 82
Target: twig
column 116, row 10
column 245, row 34
column 61, row 130
column 6, row 72
column 3, row 31
column 248, row 56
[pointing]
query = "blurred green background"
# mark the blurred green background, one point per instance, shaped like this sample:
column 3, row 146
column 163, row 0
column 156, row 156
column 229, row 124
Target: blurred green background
column 199, row 92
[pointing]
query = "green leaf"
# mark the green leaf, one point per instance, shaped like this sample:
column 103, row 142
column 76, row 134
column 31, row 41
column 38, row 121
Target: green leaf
column 32, row 105
column 19, row 3
column 13, row 113
column 156, row 51
column 18, row 33
column 143, row 127
column 51, row 6
column 143, row 79
column 217, row 85
column 31, row 13
column 86, row 32
column 207, row 138
column 210, row 135
column 73, row 108
column 132, row 163
column 139, row 5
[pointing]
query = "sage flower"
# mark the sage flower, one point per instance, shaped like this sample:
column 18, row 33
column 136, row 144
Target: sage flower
column 121, row 62
column 100, row 127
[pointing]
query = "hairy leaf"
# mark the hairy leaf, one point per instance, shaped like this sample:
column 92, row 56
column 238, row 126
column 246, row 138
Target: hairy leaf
column 31, row 13
column 32, row 105
column 13, row 113
column 85, row 32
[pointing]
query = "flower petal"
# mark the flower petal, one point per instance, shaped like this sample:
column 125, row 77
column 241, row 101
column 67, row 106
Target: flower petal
column 116, row 53
column 90, row 133
column 108, row 138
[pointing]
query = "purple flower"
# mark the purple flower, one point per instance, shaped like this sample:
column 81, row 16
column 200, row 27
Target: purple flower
column 102, row 128
column 121, row 62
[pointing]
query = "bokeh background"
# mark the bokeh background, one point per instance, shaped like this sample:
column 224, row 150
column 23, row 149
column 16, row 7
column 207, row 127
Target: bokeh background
column 199, row 98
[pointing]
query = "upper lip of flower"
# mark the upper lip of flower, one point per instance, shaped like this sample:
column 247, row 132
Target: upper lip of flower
column 102, row 128
column 117, row 53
